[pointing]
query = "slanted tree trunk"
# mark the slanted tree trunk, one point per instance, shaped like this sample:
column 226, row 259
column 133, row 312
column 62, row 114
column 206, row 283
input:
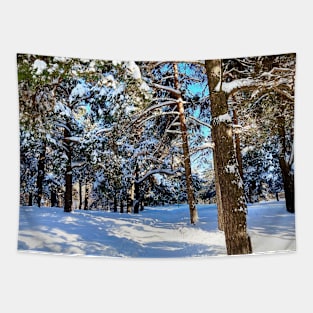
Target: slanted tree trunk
column 232, row 193
column 285, row 166
column 183, row 129
column 41, row 173
column 68, row 172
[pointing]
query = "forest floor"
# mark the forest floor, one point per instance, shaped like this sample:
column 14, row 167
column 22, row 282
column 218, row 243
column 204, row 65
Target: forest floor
column 156, row 232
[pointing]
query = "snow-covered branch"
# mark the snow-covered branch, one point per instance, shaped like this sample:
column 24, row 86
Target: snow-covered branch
column 171, row 90
column 158, row 171
column 199, row 121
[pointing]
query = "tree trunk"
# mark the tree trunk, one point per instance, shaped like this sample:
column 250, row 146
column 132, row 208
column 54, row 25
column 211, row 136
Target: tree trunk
column 130, row 198
column 121, row 204
column 232, row 193
column 30, row 199
column 68, row 172
column 53, row 198
column 115, row 202
column 183, row 129
column 237, row 145
column 287, row 174
column 86, row 197
column 80, row 195
column 137, row 190
column 220, row 217
column 41, row 173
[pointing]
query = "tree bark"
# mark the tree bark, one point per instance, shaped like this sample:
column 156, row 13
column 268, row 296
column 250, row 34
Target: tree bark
column 220, row 217
column 183, row 129
column 237, row 145
column 232, row 193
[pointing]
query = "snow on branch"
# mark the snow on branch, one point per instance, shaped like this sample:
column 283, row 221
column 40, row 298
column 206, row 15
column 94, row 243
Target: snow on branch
column 171, row 90
column 158, row 171
column 208, row 145
column 234, row 85
column 199, row 121
column 152, row 108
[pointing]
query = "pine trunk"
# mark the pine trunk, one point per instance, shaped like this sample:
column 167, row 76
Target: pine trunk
column 86, row 197
column 41, row 173
column 53, row 199
column 287, row 174
column 68, row 172
column 80, row 195
column 136, row 190
column 183, row 129
column 130, row 198
column 232, row 193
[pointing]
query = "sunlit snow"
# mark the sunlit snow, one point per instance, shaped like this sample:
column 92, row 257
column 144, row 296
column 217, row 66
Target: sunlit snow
column 156, row 232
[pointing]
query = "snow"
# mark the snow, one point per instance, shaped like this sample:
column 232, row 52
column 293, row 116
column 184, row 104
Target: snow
column 156, row 232
column 39, row 66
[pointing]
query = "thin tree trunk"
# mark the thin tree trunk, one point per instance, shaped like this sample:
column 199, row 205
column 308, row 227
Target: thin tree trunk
column 232, row 193
column 53, row 198
column 183, row 129
column 80, row 195
column 130, row 198
column 68, row 172
column 30, row 199
column 86, row 197
column 41, row 173
column 121, row 204
column 136, row 190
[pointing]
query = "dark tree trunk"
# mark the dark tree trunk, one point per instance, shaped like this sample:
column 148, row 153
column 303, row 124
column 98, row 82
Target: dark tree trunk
column 53, row 199
column 86, row 197
column 41, row 173
column 287, row 174
column 30, row 199
column 130, row 198
column 232, row 193
column 183, row 129
column 80, row 195
column 68, row 172
column 137, row 190
column 115, row 202
column 121, row 205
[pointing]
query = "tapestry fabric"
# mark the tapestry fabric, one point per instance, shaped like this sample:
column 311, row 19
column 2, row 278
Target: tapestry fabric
column 156, row 159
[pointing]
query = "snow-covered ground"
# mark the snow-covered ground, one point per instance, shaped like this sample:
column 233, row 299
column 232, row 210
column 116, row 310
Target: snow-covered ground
column 157, row 232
